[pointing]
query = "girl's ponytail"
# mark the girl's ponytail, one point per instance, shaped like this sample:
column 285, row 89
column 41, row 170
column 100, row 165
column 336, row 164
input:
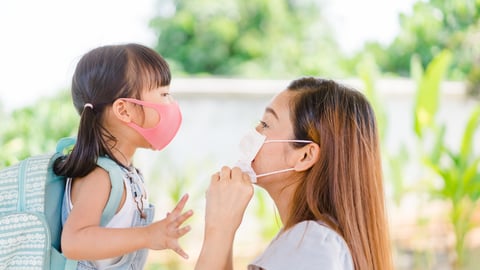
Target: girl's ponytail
column 83, row 158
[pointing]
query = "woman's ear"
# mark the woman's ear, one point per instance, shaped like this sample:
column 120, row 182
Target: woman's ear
column 307, row 157
column 121, row 109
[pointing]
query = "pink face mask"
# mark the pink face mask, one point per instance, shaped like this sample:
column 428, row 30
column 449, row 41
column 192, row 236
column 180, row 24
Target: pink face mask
column 168, row 124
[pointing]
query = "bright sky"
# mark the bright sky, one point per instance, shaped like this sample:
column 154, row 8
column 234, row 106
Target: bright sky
column 41, row 40
column 357, row 21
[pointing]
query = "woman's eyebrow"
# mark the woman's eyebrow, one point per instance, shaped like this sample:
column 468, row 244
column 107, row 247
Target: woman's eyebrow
column 270, row 110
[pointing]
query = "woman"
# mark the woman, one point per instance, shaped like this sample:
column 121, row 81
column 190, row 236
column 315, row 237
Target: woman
column 316, row 152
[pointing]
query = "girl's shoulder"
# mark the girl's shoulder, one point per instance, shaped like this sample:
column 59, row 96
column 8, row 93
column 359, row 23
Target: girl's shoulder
column 98, row 175
column 96, row 183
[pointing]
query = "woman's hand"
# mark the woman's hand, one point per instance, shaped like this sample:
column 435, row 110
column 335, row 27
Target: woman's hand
column 228, row 195
column 164, row 234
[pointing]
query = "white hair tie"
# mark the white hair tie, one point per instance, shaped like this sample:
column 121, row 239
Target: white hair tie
column 88, row 105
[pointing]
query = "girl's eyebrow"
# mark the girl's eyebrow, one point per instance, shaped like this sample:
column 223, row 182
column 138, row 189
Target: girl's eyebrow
column 270, row 110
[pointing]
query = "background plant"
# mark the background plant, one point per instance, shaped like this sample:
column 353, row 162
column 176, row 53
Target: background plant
column 457, row 166
column 431, row 27
column 248, row 38
column 35, row 129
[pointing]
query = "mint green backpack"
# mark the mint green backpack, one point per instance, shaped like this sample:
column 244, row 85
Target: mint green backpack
column 31, row 198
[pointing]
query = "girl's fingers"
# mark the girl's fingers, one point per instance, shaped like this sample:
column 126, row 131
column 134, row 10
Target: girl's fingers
column 180, row 219
column 179, row 207
column 182, row 231
column 184, row 216
column 181, row 252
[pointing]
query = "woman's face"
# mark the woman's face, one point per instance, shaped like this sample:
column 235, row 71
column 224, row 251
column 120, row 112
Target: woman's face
column 275, row 125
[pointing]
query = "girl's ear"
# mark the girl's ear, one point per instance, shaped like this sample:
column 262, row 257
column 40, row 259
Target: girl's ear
column 307, row 157
column 121, row 109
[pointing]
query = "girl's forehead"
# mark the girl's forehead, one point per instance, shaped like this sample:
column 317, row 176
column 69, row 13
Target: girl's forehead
column 160, row 89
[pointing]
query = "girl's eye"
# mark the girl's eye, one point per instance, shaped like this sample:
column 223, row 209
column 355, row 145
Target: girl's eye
column 164, row 94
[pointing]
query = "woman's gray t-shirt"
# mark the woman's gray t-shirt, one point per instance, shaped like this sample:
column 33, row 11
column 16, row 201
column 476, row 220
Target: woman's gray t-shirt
column 307, row 245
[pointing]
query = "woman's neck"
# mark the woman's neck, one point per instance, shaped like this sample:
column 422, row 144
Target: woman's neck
column 282, row 197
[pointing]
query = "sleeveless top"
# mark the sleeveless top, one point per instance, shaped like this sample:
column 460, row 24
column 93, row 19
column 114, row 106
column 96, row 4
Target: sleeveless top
column 128, row 216
column 307, row 245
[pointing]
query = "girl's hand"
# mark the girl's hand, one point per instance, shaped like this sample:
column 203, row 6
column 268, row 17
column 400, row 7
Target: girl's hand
column 228, row 195
column 164, row 234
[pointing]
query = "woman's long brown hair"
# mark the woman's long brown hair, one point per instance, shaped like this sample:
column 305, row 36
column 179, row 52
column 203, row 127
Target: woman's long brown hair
column 344, row 188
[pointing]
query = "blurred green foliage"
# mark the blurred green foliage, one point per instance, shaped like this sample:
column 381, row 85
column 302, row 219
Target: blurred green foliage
column 451, row 173
column 431, row 27
column 274, row 39
column 248, row 38
column 35, row 129
column 456, row 166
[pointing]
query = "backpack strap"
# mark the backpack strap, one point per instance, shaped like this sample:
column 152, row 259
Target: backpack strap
column 116, row 179
column 70, row 264
column 64, row 143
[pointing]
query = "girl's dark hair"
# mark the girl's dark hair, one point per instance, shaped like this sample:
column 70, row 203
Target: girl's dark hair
column 103, row 75
column 345, row 187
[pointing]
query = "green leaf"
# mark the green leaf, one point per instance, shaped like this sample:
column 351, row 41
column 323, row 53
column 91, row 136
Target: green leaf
column 469, row 177
column 467, row 141
column 426, row 103
column 475, row 193
column 416, row 69
column 438, row 146
column 368, row 73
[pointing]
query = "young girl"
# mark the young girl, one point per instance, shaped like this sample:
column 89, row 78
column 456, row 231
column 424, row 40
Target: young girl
column 122, row 95
column 317, row 154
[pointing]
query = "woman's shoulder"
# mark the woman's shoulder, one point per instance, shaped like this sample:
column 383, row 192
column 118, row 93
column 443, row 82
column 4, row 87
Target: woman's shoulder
column 316, row 229
column 316, row 232
column 306, row 245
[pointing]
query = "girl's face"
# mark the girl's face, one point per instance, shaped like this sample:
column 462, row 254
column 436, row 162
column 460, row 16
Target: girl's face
column 275, row 125
column 149, row 117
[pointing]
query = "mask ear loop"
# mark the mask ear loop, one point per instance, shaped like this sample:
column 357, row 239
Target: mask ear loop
column 296, row 141
column 275, row 172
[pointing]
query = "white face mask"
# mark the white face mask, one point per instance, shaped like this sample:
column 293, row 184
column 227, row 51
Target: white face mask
column 249, row 147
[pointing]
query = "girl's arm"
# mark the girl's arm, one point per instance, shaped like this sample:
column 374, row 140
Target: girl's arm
column 228, row 195
column 82, row 229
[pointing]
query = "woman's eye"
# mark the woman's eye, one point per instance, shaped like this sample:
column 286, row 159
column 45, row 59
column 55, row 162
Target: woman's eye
column 263, row 124
column 164, row 94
